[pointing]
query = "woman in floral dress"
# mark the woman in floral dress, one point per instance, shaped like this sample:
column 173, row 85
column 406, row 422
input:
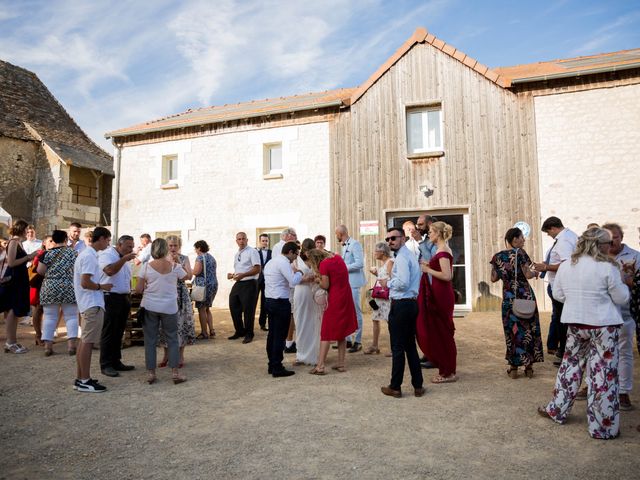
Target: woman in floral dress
column 383, row 254
column 186, row 328
column 205, row 275
column 591, row 288
column 522, row 336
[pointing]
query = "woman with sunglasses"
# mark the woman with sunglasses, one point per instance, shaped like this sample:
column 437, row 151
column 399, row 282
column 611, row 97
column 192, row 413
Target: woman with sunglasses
column 591, row 287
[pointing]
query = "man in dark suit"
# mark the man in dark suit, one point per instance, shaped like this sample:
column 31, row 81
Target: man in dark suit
column 265, row 256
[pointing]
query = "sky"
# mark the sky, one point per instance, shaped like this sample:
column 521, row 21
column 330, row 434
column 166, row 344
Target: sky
column 113, row 64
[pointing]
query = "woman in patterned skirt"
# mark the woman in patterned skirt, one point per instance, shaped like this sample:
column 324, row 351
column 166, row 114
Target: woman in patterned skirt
column 383, row 254
column 186, row 329
column 522, row 336
column 205, row 274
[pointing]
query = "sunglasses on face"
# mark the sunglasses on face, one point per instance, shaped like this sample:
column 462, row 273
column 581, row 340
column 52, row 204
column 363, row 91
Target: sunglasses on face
column 392, row 238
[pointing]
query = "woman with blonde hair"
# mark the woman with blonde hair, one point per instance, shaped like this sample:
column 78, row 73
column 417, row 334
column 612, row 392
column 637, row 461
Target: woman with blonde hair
column 382, row 253
column 158, row 283
column 440, row 344
column 339, row 319
column 186, row 329
column 591, row 288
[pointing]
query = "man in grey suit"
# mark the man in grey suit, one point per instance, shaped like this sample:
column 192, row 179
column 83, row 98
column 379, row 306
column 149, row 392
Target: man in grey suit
column 353, row 256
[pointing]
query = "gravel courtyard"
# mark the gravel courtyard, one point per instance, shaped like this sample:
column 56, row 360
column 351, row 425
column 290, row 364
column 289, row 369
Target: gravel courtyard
column 231, row 420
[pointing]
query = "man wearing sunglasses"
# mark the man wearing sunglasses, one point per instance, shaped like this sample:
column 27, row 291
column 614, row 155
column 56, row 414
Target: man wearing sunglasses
column 403, row 291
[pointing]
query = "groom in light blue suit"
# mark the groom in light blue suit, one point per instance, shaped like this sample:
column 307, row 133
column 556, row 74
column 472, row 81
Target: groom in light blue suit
column 353, row 256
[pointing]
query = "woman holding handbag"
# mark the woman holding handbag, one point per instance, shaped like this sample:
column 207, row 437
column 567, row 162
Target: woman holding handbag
column 205, row 287
column 382, row 254
column 521, row 334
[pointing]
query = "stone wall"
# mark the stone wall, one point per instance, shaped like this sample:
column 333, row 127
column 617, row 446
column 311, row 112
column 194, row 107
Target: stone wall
column 588, row 159
column 19, row 160
column 221, row 190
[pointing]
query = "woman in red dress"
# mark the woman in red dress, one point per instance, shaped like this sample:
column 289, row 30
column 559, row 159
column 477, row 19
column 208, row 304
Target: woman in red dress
column 339, row 319
column 441, row 347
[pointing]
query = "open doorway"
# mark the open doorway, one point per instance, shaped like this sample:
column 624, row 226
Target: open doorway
column 460, row 244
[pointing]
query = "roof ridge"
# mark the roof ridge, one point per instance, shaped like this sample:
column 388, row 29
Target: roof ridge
column 421, row 35
column 570, row 59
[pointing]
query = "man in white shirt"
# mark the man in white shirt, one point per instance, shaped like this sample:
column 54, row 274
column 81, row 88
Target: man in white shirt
column 242, row 298
column 413, row 237
column 74, row 237
column 280, row 276
column 115, row 268
column 564, row 243
column 144, row 250
column 288, row 235
column 31, row 244
column 629, row 260
column 90, row 300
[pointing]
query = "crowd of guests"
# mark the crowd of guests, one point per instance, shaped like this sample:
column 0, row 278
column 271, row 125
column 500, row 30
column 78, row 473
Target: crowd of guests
column 594, row 287
column 309, row 300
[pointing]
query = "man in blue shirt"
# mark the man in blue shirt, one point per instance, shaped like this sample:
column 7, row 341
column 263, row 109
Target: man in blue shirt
column 403, row 291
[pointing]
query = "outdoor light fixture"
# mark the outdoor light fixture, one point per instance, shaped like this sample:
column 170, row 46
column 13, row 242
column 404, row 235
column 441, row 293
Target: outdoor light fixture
column 427, row 190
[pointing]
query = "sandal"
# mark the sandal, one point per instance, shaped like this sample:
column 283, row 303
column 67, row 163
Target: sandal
column 212, row 334
column 528, row 371
column 177, row 378
column 371, row 350
column 151, row 378
column 317, row 371
column 339, row 368
column 542, row 411
column 441, row 379
column 202, row 336
column 513, row 372
column 14, row 348
column 163, row 363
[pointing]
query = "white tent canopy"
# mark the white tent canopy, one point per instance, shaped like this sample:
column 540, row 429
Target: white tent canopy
column 5, row 217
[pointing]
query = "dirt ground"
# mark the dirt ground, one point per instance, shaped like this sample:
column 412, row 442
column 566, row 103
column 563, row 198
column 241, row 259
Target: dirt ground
column 231, row 420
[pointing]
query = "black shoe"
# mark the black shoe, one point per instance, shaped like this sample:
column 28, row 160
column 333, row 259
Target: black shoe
column 248, row 339
column 235, row 336
column 121, row 367
column 264, row 328
column 557, row 363
column 283, row 373
column 291, row 349
column 349, row 344
column 90, row 386
column 357, row 346
column 428, row 364
column 110, row 372
column 269, row 370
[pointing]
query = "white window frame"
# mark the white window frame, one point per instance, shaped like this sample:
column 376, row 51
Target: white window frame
column 166, row 180
column 428, row 150
column 268, row 172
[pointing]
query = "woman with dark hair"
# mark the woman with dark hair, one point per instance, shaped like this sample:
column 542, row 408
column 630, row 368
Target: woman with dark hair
column 522, row 336
column 204, row 271
column 15, row 296
column 591, row 288
column 57, row 293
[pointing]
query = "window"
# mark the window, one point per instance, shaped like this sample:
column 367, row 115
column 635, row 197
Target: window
column 169, row 169
column 273, row 160
column 176, row 233
column 424, row 130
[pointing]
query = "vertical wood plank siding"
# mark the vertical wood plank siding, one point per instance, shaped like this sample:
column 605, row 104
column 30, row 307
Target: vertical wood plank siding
column 489, row 165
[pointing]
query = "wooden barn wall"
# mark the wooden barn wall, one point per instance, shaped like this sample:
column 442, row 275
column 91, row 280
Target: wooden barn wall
column 489, row 166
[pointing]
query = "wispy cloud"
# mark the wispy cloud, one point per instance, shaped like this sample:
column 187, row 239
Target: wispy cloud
column 604, row 35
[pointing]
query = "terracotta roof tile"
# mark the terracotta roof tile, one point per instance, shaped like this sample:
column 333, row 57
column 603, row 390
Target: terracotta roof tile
column 228, row 112
column 480, row 68
column 572, row 66
column 429, row 39
column 438, row 43
column 449, row 50
column 459, row 56
column 469, row 62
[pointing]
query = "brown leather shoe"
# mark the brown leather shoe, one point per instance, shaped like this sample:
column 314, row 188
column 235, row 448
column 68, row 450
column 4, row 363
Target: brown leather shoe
column 391, row 392
column 418, row 392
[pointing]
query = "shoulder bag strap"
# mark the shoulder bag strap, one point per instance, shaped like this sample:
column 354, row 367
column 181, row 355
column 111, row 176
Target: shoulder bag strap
column 204, row 266
column 515, row 278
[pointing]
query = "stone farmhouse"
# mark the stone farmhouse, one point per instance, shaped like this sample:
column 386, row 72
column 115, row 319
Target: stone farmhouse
column 51, row 173
column 432, row 130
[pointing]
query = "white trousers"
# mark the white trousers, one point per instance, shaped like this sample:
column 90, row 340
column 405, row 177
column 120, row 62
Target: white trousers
column 50, row 320
column 625, row 345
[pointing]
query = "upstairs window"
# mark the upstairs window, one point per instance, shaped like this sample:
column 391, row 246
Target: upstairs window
column 273, row 160
column 169, row 169
column 424, row 129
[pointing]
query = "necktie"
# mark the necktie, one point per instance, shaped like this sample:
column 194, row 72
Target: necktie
column 548, row 259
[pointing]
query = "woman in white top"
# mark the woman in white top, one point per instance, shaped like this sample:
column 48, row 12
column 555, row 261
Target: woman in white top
column 306, row 312
column 157, row 281
column 382, row 254
column 590, row 286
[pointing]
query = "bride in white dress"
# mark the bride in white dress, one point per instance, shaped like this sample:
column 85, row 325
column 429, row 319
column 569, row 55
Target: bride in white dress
column 306, row 313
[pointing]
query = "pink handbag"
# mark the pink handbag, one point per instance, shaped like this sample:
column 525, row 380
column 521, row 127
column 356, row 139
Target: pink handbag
column 379, row 292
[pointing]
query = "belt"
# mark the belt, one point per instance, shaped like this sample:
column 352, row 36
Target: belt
column 412, row 299
column 116, row 293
